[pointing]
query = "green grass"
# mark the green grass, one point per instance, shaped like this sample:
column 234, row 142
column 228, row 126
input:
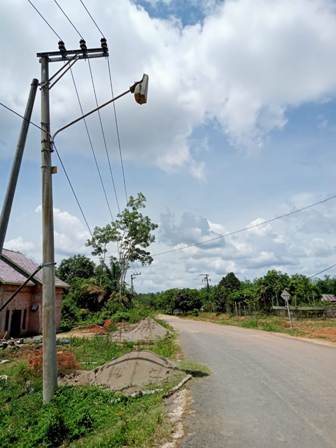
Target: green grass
column 194, row 368
column 258, row 322
column 81, row 416
column 97, row 350
column 77, row 416
column 166, row 346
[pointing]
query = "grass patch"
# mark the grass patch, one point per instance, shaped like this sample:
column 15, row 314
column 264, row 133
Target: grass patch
column 193, row 368
column 97, row 350
column 81, row 416
column 258, row 322
column 166, row 347
column 77, row 416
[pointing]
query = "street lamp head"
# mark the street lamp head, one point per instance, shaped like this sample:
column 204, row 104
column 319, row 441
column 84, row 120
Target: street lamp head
column 141, row 90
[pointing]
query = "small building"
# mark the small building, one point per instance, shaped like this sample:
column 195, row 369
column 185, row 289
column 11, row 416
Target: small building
column 328, row 298
column 23, row 315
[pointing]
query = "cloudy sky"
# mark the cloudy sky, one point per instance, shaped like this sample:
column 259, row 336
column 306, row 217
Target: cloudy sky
column 239, row 127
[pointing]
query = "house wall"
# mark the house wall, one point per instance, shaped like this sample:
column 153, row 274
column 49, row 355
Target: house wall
column 29, row 301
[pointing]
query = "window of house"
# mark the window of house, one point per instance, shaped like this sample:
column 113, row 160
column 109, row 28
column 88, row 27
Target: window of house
column 24, row 319
column 7, row 320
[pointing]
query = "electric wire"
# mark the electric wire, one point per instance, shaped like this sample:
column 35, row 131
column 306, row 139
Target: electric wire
column 117, row 131
column 81, row 108
column 90, row 140
column 114, row 106
column 250, row 227
column 323, row 270
column 97, row 104
column 244, row 229
column 68, row 18
column 72, row 189
column 91, row 146
column 103, row 135
column 61, row 162
column 44, row 19
column 91, row 17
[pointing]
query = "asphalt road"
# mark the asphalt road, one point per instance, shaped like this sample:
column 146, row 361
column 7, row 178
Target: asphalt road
column 265, row 391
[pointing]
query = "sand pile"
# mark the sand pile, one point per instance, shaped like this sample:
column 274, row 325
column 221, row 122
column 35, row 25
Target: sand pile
column 128, row 373
column 146, row 331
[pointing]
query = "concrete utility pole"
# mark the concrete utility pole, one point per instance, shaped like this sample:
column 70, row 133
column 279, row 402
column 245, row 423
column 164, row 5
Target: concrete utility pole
column 140, row 90
column 48, row 289
column 9, row 197
column 133, row 276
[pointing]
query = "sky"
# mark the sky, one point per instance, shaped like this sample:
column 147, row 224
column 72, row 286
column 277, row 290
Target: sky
column 239, row 127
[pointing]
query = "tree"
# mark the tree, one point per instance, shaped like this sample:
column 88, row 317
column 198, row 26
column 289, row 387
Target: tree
column 230, row 282
column 132, row 231
column 270, row 288
column 77, row 266
column 302, row 290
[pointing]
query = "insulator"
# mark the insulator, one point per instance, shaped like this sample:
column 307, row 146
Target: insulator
column 82, row 45
column 103, row 43
column 61, row 46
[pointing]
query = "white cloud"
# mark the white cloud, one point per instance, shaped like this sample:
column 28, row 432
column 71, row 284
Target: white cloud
column 243, row 68
column 20, row 245
column 70, row 233
column 295, row 244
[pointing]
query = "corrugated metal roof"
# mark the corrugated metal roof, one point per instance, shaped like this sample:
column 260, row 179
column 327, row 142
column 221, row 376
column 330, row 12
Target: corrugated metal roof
column 9, row 274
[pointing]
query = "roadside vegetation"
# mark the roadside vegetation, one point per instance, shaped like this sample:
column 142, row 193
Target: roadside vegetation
column 98, row 297
column 87, row 416
column 256, row 304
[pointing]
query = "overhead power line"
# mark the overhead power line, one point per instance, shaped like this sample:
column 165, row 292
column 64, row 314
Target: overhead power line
column 96, row 100
column 68, row 18
column 117, row 131
column 44, row 19
column 82, row 111
column 323, row 270
column 73, row 190
column 104, row 136
column 91, row 146
column 62, row 164
column 91, row 17
column 114, row 105
column 250, row 227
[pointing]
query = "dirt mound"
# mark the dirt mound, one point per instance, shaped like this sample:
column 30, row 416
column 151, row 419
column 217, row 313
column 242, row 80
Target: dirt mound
column 127, row 373
column 83, row 332
column 146, row 331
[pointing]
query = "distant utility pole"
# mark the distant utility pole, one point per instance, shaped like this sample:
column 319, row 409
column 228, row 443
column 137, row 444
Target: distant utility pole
column 133, row 276
column 206, row 280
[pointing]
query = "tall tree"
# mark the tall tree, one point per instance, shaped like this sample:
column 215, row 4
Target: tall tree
column 131, row 231
column 230, row 282
column 77, row 266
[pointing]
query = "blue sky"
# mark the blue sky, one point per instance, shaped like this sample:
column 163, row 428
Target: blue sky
column 239, row 127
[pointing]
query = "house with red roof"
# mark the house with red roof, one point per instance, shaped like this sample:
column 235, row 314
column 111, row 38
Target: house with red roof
column 23, row 315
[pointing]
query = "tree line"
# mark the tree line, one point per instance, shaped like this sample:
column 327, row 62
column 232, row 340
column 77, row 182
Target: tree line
column 243, row 296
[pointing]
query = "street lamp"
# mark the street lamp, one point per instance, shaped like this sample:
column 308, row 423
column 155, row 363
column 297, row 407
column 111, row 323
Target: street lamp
column 139, row 89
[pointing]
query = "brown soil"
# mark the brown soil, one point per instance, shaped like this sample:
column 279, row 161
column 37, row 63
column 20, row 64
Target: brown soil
column 326, row 333
column 84, row 332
